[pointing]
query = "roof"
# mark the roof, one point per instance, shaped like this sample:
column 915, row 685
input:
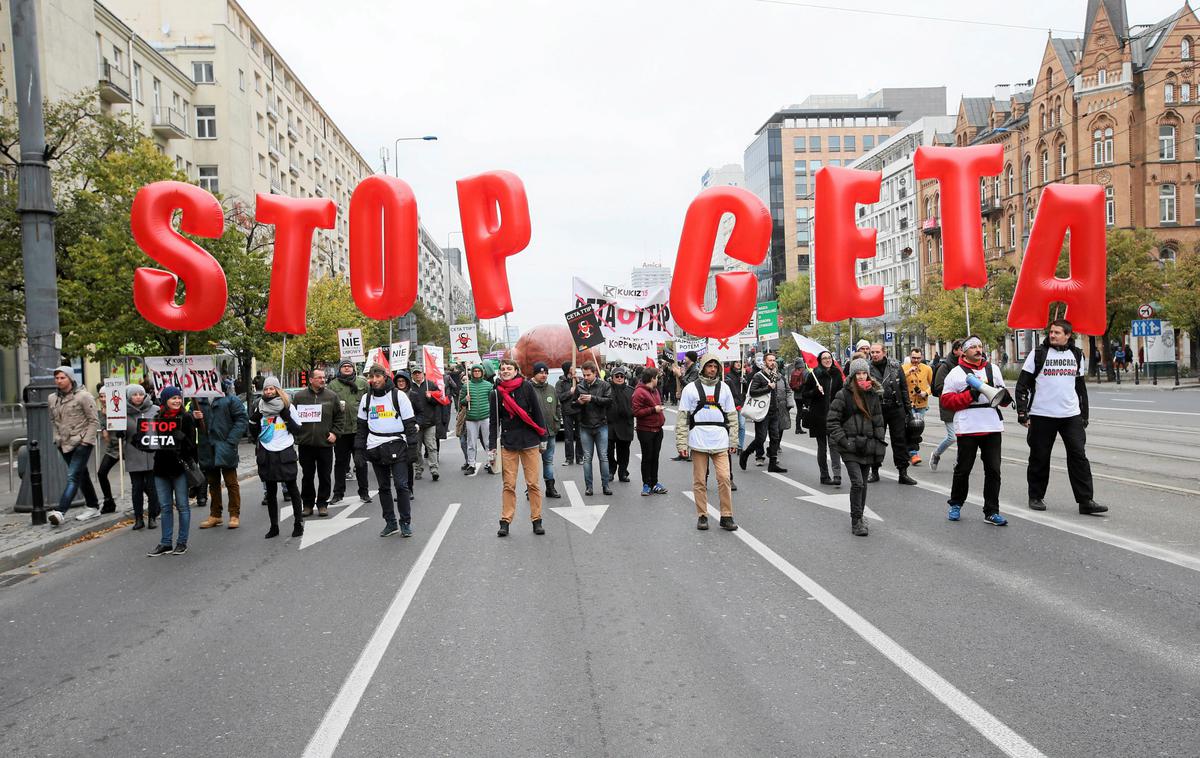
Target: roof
column 1147, row 44
column 977, row 109
column 1117, row 16
column 792, row 112
column 1067, row 49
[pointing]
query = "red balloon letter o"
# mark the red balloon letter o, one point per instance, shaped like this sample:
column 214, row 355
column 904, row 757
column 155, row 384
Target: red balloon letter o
column 383, row 257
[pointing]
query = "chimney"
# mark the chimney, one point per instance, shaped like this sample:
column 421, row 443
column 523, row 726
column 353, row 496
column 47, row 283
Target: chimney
column 1001, row 92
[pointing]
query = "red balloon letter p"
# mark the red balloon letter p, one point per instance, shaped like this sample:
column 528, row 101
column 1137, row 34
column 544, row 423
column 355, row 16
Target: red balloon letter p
column 495, row 225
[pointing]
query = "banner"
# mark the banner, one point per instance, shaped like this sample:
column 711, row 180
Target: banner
column 350, row 344
column 628, row 311
column 194, row 375
column 726, row 350
column 113, row 397
column 464, row 340
column 767, row 315
column 398, row 354
column 684, row 344
column 585, row 327
column 433, row 364
column 633, row 350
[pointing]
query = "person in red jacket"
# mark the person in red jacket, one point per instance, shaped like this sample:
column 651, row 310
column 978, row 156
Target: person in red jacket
column 648, row 422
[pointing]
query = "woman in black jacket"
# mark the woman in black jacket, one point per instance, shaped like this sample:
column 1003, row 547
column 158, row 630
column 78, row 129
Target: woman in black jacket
column 856, row 428
column 620, row 423
column 822, row 384
column 275, row 453
column 172, row 437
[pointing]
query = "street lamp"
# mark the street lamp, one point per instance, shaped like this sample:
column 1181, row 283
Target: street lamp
column 396, row 171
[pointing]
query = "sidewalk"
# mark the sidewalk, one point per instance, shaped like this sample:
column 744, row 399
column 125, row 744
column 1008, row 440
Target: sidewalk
column 1165, row 383
column 21, row 542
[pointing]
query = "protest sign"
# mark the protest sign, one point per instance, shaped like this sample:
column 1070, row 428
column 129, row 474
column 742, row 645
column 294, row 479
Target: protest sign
column 629, row 311
column 194, row 375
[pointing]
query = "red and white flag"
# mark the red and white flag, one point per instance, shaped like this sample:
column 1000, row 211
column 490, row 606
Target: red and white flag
column 810, row 349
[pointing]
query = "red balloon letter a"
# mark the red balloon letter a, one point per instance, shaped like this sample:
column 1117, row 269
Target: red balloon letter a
column 736, row 292
column 495, row 225
column 1079, row 208
column 840, row 243
column 154, row 289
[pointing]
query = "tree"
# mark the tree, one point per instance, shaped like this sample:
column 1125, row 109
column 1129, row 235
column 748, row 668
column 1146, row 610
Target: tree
column 243, row 255
column 1135, row 276
column 943, row 316
column 1181, row 300
column 330, row 307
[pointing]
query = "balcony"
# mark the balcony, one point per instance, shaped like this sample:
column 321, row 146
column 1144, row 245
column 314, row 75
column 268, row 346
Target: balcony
column 293, row 168
column 276, row 185
column 320, row 190
column 168, row 123
column 114, row 84
column 319, row 157
column 275, row 153
column 1122, row 79
column 989, row 206
column 292, row 132
column 272, row 114
column 337, row 178
column 932, row 225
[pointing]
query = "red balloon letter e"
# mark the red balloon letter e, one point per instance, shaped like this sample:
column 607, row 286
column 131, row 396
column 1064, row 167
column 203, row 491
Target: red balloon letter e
column 736, row 292
column 840, row 243
column 203, row 279
column 958, row 171
column 1079, row 208
column 495, row 225
column 294, row 219
column 383, row 254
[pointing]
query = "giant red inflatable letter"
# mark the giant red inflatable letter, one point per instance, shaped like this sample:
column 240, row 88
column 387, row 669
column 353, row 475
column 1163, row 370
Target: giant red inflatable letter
column 1079, row 208
column 294, row 219
column 495, row 225
column 840, row 243
column 203, row 279
column 958, row 171
column 383, row 257
column 736, row 292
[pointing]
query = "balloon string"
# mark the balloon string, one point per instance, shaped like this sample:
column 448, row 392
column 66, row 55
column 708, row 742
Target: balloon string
column 283, row 360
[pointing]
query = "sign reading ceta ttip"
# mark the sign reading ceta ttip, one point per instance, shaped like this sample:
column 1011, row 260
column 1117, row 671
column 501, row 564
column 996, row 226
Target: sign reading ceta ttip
column 194, row 375
column 116, row 416
column 464, row 340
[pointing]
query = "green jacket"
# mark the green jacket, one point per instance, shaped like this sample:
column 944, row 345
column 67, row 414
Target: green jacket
column 480, row 403
column 550, row 407
column 351, row 396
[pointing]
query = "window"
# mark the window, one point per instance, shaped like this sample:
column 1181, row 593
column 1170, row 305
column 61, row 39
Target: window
column 258, row 117
column 241, row 80
column 814, row 144
column 1042, row 116
column 814, row 167
column 1008, row 179
column 118, row 59
column 1108, row 145
column 1185, row 92
column 1045, row 166
column 1166, row 204
column 835, row 144
column 1058, row 115
column 1185, row 49
column 137, row 82
column 262, row 164
column 848, row 142
column 156, row 91
column 1012, row 230
column 206, row 122
column 868, row 142
column 208, row 178
column 258, row 82
column 1166, row 143
column 202, row 72
column 1110, row 206
column 982, row 188
column 1026, row 175
column 1166, row 255
column 1049, row 77
column 1062, row 160
column 802, row 226
column 1102, row 76
column 798, row 144
column 996, row 187
column 1169, row 93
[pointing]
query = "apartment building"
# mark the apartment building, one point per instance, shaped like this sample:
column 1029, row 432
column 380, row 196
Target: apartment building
column 729, row 175
column 650, row 276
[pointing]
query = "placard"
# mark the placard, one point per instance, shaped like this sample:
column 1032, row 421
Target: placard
column 433, row 364
column 350, row 343
column 194, row 375
column 398, row 353
column 726, row 350
column 631, row 311
column 585, row 327
column 464, row 340
column 629, row 349
column 307, row 414
column 115, row 414
column 684, row 344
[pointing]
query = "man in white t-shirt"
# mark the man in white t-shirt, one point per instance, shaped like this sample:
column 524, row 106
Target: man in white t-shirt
column 706, row 429
column 1052, row 401
column 386, row 427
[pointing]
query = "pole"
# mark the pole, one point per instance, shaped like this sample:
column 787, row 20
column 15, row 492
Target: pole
column 35, row 482
column 283, row 361
column 967, row 307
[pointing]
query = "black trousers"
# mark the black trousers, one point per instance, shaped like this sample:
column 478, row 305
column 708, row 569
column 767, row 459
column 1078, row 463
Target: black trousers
column 858, row 487
column 651, row 445
column 571, row 442
column 142, row 491
column 319, row 461
column 897, row 424
column 291, row 492
column 988, row 446
column 618, row 455
column 391, row 474
column 767, row 434
column 345, row 454
column 1042, row 431
column 107, row 464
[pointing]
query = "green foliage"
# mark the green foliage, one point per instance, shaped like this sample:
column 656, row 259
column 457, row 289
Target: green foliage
column 1181, row 300
column 942, row 313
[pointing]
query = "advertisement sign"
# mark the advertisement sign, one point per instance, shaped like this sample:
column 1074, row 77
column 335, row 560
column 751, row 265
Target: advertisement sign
column 194, row 375
column 585, row 327
column 464, row 341
column 350, row 344
column 627, row 310
column 113, row 397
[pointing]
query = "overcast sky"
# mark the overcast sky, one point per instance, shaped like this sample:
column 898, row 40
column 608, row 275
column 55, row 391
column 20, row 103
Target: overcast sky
column 610, row 111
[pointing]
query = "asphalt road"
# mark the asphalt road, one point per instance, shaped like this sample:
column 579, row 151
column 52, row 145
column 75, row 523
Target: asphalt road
column 1059, row 635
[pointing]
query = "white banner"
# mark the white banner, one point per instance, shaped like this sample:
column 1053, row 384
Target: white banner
column 464, row 340
column 308, row 414
column 725, row 350
column 398, row 354
column 194, row 375
column 350, row 343
column 115, row 415
column 633, row 350
column 628, row 311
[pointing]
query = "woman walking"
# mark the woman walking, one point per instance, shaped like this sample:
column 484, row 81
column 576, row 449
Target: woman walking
column 173, row 439
column 620, row 423
column 139, row 462
column 822, row 384
column 855, row 426
column 648, row 421
column 275, row 453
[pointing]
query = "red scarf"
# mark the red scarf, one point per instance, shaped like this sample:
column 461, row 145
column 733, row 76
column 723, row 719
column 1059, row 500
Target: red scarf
column 505, row 389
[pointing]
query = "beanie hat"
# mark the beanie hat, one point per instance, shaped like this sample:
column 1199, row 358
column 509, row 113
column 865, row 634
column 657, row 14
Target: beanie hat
column 171, row 391
column 227, row 385
column 346, row 362
column 692, row 356
column 134, row 389
column 856, row 365
column 70, row 372
column 376, row 369
column 539, row 367
column 861, row 344
column 272, row 381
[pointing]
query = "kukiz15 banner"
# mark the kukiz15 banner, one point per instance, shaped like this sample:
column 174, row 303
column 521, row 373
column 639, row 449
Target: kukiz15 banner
column 628, row 311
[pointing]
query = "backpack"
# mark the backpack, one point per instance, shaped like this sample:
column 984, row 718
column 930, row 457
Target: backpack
column 1039, row 359
column 796, row 381
column 395, row 406
column 703, row 402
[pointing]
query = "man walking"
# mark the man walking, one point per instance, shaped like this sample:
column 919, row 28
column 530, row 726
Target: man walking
column 947, row 415
column 320, row 413
column 706, row 430
column 1052, row 401
column 73, row 417
column 386, row 422
column 222, row 427
column 620, row 423
column 769, row 381
column 522, row 437
column 349, row 388
column 896, row 410
column 592, row 397
column 978, row 426
column 920, row 381
column 476, row 396
column 428, row 404
column 569, row 414
column 552, row 420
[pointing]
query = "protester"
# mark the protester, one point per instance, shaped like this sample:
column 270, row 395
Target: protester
column 770, row 381
column 431, row 407
column 683, row 375
column 862, row 349
column 857, row 430
column 592, row 397
column 947, row 415
column 668, row 381
column 1052, row 401
column 977, row 426
column 820, row 388
column 476, row 396
column 139, row 461
column 739, row 383
column 403, row 381
column 620, row 423
column 349, row 388
column 386, row 423
column 74, row 421
column 552, row 420
column 569, row 413
column 174, row 444
column 108, row 460
column 649, row 419
column 920, row 381
column 258, row 381
column 316, row 441
column 222, row 428
column 706, row 430
column 522, row 436
column 896, row 410
column 275, row 453
column 796, row 380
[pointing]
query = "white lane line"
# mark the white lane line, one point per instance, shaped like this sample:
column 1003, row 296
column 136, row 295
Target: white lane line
column 337, row 718
column 1147, row 410
column 1127, row 400
column 990, row 727
column 839, row 501
column 1109, row 477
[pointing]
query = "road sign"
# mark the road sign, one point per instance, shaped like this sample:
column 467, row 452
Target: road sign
column 350, row 343
column 768, row 320
column 1145, row 311
column 889, row 338
column 1150, row 327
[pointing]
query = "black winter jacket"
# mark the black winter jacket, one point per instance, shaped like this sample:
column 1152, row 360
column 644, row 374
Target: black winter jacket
column 818, row 402
column 857, row 438
column 564, row 389
column 620, row 413
column 594, row 413
column 939, row 380
column 738, row 382
column 514, row 433
column 895, row 386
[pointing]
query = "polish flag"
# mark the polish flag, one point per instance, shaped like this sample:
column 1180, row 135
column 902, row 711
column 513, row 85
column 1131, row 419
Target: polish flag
column 649, row 362
column 810, row 349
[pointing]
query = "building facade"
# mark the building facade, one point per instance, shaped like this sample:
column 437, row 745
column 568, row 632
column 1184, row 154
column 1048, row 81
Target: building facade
column 650, row 276
column 729, row 175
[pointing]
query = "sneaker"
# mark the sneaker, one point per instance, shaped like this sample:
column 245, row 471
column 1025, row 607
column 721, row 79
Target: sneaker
column 873, row 476
column 159, row 550
column 470, row 471
column 1037, row 504
column 933, row 462
column 955, row 512
column 488, row 468
column 759, row 461
column 858, row 527
column 418, row 475
column 434, row 475
column 727, row 524
column 828, row 482
column 624, row 479
column 56, row 518
column 702, row 523
column 588, row 492
column 323, row 511
column 405, row 529
column 996, row 520
column 915, row 459
column 1091, row 508
column 109, row 506
column 658, row 489
column 606, row 490
column 335, row 499
column 389, row 530
column 645, row 490
column 837, row 481
column 87, row 514
column 364, row 499
column 180, row 549
column 307, row 511
column 503, row 530
column 465, row 466
column 733, row 486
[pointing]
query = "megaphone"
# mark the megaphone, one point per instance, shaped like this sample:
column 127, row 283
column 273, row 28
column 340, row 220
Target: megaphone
column 996, row 396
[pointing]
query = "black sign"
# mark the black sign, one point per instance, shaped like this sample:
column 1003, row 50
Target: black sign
column 585, row 327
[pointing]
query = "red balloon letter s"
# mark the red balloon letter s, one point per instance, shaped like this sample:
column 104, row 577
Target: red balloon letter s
column 1079, row 208
column 490, row 237
column 736, row 292
column 958, row 171
column 154, row 289
column 840, row 243
column 383, row 256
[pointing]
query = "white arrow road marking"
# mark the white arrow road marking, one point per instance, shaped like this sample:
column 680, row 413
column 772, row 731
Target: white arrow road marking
column 586, row 517
column 990, row 727
column 285, row 513
column 837, row 501
column 319, row 529
column 325, row 741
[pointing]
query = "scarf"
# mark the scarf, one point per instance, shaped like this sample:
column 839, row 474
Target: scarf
column 170, row 412
column 271, row 407
column 505, row 389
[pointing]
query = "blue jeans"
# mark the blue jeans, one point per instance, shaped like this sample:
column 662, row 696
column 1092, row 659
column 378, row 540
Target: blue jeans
column 919, row 413
column 548, row 459
column 948, row 441
column 78, row 479
column 741, row 432
column 173, row 491
column 594, row 440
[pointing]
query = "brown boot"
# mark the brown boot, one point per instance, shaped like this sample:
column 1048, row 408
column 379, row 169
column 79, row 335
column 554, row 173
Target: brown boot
column 210, row 522
column 234, row 522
